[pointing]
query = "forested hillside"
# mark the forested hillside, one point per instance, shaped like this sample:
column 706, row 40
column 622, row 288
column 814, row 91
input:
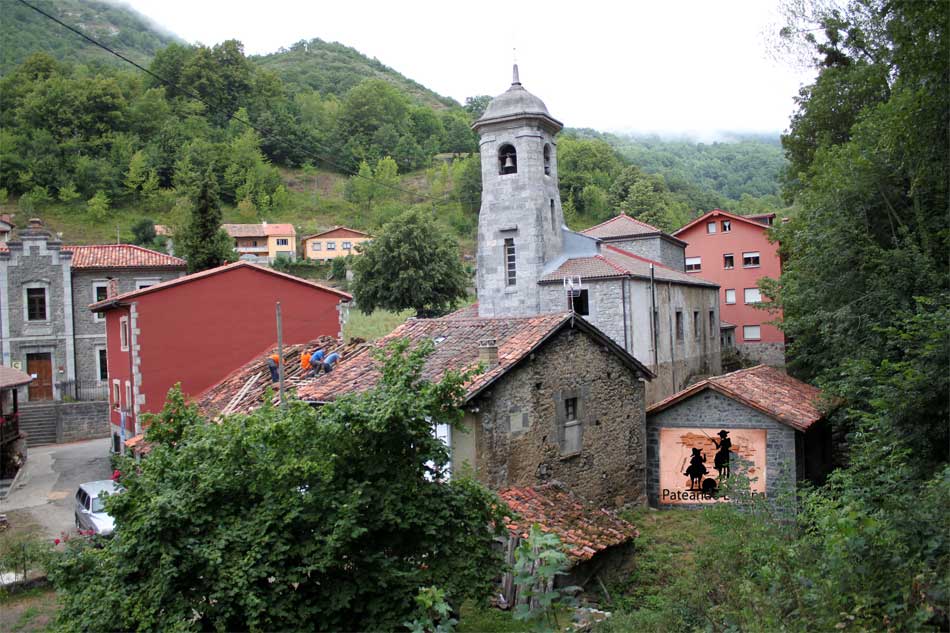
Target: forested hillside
column 317, row 134
column 24, row 32
column 333, row 68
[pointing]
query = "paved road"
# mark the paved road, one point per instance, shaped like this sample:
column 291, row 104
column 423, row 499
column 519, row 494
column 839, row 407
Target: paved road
column 49, row 480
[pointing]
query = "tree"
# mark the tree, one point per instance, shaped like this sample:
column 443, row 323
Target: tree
column 203, row 242
column 98, row 206
column 410, row 264
column 143, row 232
column 326, row 519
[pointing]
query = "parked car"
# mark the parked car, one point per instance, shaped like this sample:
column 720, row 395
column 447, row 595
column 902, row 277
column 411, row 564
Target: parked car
column 90, row 510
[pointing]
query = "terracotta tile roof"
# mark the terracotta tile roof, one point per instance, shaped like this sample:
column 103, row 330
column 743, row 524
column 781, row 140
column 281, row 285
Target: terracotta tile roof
column 456, row 348
column 621, row 226
column 258, row 230
column 112, row 302
column 613, row 263
column 243, row 389
column 121, row 256
column 338, row 231
column 765, row 389
column 92, row 256
column 10, row 377
column 583, row 528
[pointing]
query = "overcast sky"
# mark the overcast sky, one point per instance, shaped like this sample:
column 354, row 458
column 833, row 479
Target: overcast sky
column 692, row 67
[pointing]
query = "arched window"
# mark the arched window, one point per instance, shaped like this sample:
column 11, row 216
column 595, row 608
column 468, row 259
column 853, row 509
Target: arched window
column 547, row 159
column 507, row 160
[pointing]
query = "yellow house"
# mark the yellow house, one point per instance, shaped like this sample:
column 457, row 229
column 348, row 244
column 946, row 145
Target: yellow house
column 336, row 242
column 257, row 242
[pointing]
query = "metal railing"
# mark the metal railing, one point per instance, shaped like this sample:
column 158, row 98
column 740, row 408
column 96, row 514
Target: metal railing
column 85, row 391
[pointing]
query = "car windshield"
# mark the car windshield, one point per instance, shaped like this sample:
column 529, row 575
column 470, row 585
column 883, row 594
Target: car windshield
column 98, row 505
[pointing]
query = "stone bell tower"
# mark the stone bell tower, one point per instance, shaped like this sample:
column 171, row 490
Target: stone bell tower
column 520, row 221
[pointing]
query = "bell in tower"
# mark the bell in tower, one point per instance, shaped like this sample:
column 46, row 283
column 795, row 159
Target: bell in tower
column 520, row 221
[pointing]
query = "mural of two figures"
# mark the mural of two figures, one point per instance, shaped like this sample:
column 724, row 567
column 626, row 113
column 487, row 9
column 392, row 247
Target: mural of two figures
column 687, row 475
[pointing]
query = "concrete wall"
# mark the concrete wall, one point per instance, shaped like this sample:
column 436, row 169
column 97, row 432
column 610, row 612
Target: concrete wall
column 82, row 421
column 766, row 353
column 656, row 248
column 609, row 468
column 678, row 361
column 714, row 411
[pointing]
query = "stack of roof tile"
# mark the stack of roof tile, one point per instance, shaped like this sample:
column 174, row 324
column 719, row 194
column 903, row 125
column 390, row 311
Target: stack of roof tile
column 583, row 528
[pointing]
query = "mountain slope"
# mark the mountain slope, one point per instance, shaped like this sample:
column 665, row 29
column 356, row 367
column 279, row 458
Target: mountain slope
column 332, row 68
column 24, row 31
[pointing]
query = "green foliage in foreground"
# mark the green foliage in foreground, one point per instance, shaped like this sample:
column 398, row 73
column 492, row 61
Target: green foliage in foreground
column 328, row 519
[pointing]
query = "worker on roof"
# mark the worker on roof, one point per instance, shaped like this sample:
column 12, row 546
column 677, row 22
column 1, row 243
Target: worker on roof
column 272, row 362
column 330, row 362
column 316, row 362
column 304, row 360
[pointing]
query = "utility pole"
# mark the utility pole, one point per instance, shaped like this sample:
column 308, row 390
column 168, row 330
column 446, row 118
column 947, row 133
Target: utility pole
column 280, row 356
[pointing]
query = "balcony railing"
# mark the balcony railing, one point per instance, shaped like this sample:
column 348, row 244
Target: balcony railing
column 84, row 391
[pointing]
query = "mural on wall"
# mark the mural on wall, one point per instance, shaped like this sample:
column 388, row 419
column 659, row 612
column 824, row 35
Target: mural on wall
column 695, row 461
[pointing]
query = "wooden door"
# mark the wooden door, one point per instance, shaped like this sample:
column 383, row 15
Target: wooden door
column 40, row 366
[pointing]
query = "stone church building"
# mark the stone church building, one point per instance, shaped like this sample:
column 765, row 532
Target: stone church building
column 625, row 277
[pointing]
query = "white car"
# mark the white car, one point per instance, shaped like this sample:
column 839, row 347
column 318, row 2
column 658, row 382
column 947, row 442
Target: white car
column 90, row 511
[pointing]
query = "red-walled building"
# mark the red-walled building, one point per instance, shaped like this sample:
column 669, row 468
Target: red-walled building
column 194, row 330
column 734, row 251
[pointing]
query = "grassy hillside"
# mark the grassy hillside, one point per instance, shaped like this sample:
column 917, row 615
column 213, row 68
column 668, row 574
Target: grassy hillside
column 333, row 68
column 23, row 32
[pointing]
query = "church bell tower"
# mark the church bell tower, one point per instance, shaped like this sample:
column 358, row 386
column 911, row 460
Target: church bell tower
column 520, row 221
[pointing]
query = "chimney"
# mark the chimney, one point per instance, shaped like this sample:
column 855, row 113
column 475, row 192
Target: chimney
column 35, row 223
column 113, row 288
column 488, row 352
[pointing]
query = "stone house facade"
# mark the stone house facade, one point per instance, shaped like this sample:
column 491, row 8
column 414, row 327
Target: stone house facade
column 775, row 427
column 45, row 324
column 558, row 400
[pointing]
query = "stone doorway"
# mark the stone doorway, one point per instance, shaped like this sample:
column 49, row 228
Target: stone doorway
column 40, row 366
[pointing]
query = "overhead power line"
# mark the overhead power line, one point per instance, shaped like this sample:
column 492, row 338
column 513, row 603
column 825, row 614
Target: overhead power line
column 213, row 108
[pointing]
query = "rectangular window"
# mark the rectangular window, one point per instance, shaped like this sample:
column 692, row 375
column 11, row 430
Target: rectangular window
column 579, row 303
column 751, row 332
column 751, row 259
column 128, row 396
column 697, row 325
column 679, row 325
column 731, row 295
column 570, row 409
column 115, row 394
column 100, row 292
column 710, row 227
column 712, row 324
column 347, row 246
column 36, row 304
column 694, row 264
column 571, row 432
column 518, row 421
column 315, row 246
column 124, row 334
column 510, row 261
column 282, row 241
column 728, row 261
column 752, row 295
column 141, row 284
column 331, row 246
column 103, row 365
column 726, row 226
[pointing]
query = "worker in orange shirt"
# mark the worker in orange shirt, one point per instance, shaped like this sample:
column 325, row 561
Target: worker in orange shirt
column 272, row 363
